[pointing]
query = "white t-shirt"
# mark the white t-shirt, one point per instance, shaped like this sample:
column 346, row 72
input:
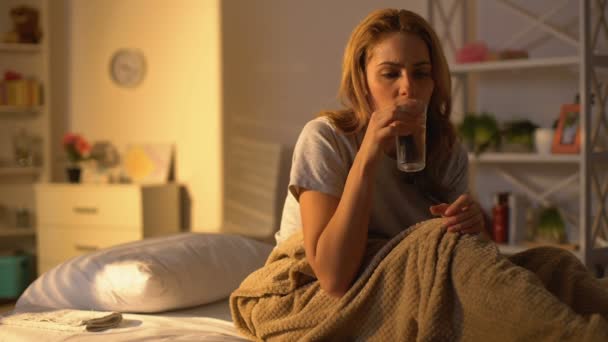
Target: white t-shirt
column 322, row 159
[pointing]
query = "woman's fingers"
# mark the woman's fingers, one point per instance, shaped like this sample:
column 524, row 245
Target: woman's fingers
column 474, row 222
column 463, row 216
column 389, row 115
column 438, row 209
column 461, row 202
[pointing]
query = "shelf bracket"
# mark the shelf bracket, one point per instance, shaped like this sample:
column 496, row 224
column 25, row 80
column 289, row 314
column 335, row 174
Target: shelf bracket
column 601, row 22
column 446, row 20
column 600, row 222
column 560, row 185
column 548, row 28
column 598, row 144
column 517, row 36
column 544, row 201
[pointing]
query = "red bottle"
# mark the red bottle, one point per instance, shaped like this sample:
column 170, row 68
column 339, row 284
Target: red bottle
column 500, row 218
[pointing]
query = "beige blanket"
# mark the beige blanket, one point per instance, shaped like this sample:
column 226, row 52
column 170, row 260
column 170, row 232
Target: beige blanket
column 426, row 285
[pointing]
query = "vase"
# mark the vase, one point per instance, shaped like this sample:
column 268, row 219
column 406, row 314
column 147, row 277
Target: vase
column 543, row 140
column 73, row 173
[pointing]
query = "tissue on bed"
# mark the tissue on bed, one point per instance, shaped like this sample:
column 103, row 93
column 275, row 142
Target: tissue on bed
column 150, row 275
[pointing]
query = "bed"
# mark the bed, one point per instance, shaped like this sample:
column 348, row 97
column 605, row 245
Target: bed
column 170, row 300
column 210, row 322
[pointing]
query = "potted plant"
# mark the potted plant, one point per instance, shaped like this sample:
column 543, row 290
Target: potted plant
column 479, row 132
column 550, row 227
column 77, row 150
column 518, row 136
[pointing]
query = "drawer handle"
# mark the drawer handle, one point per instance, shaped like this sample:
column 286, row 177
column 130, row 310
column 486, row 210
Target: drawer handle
column 85, row 210
column 86, row 248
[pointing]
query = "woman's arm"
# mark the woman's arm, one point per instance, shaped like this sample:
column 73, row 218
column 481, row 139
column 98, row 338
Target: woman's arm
column 335, row 230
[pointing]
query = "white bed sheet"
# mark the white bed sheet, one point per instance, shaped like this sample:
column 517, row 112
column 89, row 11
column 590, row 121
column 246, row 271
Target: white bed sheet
column 211, row 322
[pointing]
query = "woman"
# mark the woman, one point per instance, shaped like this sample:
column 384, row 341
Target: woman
column 348, row 198
column 344, row 183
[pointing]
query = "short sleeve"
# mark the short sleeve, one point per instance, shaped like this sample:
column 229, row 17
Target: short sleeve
column 456, row 179
column 319, row 162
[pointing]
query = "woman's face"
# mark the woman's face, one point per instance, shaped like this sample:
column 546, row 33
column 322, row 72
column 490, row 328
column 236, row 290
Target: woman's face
column 399, row 69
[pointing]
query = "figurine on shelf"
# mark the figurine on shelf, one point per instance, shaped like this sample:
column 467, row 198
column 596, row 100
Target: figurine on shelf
column 26, row 29
column 480, row 52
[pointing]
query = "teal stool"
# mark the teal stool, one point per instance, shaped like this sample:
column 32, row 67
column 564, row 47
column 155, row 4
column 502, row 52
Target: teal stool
column 15, row 275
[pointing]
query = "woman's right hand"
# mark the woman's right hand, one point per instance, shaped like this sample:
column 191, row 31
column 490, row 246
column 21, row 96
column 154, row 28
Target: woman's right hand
column 385, row 124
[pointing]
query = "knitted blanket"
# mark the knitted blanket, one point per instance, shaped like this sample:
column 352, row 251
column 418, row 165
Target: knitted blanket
column 426, row 285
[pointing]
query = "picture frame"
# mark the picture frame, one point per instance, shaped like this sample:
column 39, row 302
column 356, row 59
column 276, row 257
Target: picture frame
column 148, row 163
column 567, row 138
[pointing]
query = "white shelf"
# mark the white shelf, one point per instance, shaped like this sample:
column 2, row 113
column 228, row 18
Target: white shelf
column 20, row 48
column 4, row 110
column 6, row 232
column 19, row 171
column 495, row 158
column 507, row 249
column 514, row 64
column 510, row 249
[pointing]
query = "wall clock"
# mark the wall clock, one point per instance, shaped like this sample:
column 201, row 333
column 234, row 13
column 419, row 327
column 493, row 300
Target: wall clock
column 128, row 67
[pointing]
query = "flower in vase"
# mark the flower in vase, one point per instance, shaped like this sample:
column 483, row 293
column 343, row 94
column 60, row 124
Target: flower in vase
column 76, row 147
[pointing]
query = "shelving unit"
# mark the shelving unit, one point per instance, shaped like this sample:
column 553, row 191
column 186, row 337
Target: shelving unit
column 511, row 65
column 20, row 110
column 590, row 165
column 521, row 158
column 20, row 171
column 514, row 249
column 17, row 183
column 20, row 48
column 17, row 232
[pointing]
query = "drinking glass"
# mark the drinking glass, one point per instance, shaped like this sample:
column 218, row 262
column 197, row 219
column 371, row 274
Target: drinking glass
column 411, row 148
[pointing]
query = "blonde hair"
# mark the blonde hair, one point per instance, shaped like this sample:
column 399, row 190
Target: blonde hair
column 353, row 88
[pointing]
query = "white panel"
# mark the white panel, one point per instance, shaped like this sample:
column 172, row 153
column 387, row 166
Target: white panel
column 251, row 187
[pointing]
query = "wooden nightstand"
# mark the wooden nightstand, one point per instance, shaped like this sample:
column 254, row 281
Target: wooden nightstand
column 82, row 218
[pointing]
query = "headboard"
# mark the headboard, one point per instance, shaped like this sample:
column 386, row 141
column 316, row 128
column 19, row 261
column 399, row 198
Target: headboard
column 255, row 186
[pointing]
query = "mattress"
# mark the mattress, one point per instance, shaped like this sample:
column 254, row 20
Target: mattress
column 211, row 322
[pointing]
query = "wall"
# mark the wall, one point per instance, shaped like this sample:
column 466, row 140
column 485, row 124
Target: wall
column 178, row 102
column 281, row 66
column 282, row 61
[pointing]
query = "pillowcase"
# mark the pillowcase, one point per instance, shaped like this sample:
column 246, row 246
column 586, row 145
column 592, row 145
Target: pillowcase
column 150, row 275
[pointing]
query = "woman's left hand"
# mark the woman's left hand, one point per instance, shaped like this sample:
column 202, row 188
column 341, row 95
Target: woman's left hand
column 462, row 216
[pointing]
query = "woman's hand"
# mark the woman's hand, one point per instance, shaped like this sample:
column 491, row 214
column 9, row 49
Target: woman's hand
column 400, row 119
column 462, row 216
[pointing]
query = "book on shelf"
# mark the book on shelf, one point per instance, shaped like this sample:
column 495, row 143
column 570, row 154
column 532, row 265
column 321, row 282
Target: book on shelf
column 21, row 92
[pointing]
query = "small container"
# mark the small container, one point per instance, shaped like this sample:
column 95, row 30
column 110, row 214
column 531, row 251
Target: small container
column 16, row 272
column 500, row 218
column 23, row 218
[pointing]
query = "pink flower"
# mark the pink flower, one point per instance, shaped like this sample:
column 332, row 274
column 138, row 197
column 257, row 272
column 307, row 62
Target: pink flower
column 82, row 146
column 69, row 139
column 76, row 147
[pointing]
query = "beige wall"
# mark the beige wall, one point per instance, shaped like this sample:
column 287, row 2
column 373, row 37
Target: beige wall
column 178, row 102
column 282, row 61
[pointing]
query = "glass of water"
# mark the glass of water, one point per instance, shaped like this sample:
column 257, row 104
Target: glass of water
column 411, row 149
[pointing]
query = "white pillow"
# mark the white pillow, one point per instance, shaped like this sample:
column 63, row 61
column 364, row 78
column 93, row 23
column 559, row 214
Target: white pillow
column 150, row 275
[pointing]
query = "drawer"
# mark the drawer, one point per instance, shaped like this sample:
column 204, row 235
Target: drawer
column 89, row 205
column 60, row 244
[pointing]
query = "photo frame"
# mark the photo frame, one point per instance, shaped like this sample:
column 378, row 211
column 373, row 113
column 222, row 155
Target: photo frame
column 567, row 138
column 148, row 163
